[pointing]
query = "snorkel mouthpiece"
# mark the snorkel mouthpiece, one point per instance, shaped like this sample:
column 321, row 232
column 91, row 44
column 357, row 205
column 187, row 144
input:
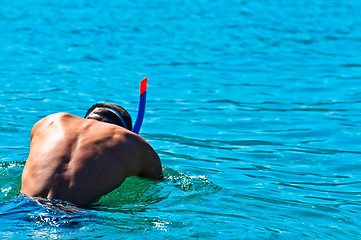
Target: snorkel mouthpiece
column 141, row 109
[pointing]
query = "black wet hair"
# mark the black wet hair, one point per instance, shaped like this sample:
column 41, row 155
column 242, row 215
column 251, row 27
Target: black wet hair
column 112, row 116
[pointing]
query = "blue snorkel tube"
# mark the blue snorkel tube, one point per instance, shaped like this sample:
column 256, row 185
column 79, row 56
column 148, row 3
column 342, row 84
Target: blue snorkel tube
column 141, row 109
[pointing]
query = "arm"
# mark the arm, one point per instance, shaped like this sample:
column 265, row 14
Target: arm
column 151, row 165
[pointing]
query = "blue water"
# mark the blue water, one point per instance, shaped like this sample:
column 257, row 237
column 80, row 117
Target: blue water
column 253, row 108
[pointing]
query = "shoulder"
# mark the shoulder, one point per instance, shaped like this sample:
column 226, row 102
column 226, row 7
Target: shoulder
column 131, row 141
column 53, row 117
column 141, row 144
column 49, row 120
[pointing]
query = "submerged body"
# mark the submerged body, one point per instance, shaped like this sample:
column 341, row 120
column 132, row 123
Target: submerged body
column 79, row 160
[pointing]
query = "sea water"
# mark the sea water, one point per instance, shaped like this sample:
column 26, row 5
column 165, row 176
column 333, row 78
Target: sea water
column 252, row 106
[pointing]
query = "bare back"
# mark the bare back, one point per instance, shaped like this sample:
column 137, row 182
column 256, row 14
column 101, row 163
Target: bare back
column 79, row 160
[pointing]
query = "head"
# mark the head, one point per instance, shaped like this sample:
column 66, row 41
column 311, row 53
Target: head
column 110, row 113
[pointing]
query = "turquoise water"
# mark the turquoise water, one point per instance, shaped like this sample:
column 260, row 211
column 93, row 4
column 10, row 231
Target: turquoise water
column 253, row 107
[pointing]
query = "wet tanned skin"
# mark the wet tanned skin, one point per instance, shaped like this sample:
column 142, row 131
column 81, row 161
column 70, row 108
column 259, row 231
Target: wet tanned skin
column 79, row 160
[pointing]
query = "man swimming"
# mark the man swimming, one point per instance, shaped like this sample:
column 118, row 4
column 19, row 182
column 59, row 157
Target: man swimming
column 81, row 159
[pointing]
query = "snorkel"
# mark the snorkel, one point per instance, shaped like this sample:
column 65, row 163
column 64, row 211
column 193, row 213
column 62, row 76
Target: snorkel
column 141, row 109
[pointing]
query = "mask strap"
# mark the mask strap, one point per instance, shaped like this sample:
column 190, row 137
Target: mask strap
column 92, row 114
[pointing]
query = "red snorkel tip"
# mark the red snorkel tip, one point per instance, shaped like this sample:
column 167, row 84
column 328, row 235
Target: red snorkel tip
column 143, row 85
